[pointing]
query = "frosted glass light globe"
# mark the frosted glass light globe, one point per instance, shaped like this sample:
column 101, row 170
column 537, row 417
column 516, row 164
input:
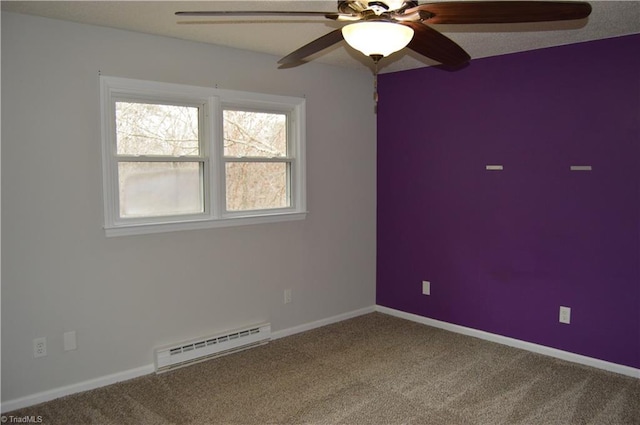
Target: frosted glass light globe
column 377, row 37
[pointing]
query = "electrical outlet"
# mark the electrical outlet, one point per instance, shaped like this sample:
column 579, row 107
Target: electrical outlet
column 39, row 347
column 426, row 287
column 565, row 315
column 287, row 296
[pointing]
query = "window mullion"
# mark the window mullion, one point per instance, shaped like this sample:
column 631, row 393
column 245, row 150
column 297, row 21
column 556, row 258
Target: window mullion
column 214, row 145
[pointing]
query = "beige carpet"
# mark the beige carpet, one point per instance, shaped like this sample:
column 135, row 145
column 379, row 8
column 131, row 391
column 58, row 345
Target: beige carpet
column 374, row 369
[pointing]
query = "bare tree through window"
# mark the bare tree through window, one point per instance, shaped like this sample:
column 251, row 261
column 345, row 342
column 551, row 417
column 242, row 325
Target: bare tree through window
column 257, row 167
column 159, row 170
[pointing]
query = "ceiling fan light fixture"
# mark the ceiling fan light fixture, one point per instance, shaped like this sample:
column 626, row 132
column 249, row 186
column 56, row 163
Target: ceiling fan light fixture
column 377, row 38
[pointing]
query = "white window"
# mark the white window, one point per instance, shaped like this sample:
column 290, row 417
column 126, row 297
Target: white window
column 182, row 157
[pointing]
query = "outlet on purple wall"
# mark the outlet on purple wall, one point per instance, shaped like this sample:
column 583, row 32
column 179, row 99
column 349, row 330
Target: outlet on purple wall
column 504, row 249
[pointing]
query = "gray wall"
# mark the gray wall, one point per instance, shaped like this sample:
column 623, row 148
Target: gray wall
column 126, row 295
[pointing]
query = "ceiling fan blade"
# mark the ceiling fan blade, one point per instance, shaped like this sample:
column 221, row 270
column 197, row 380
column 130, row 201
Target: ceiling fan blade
column 497, row 12
column 432, row 44
column 224, row 13
column 315, row 46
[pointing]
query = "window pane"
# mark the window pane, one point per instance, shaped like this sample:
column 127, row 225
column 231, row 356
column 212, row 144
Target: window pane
column 151, row 189
column 154, row 129
column 255, row 134
column 257, row 185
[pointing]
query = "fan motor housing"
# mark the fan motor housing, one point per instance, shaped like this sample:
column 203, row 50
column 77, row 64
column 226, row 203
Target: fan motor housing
column 357, row 6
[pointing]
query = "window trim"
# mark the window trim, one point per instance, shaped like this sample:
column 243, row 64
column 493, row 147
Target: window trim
column 212, row 101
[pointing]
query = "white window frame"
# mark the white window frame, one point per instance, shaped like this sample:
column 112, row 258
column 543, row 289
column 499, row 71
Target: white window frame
column 212, row 102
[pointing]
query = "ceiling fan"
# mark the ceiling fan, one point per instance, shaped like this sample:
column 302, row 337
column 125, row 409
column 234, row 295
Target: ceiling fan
column 381, row 27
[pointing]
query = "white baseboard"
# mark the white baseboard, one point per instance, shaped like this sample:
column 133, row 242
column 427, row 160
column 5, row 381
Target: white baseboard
column 49, row 395
column 91, row 384
column 102, row 381
column 322, row 322
column 535, row 348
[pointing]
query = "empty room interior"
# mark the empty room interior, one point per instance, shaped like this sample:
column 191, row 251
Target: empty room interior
column 195, row 233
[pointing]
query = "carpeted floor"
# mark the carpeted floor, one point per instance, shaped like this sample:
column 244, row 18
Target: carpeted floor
column 374, row 369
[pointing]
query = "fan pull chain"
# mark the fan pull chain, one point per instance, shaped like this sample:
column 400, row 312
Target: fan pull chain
column 376, row 59
column 375, row 85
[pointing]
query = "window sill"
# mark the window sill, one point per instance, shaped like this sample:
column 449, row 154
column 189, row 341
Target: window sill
column 144, row 229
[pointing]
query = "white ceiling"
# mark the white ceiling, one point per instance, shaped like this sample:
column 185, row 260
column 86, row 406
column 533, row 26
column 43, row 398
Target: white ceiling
column 280, row 36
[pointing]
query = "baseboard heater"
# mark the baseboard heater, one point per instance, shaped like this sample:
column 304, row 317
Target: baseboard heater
column 178, row 355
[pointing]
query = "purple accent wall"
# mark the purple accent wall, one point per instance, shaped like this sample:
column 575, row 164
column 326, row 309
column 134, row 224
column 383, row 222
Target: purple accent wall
column 505, row 249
